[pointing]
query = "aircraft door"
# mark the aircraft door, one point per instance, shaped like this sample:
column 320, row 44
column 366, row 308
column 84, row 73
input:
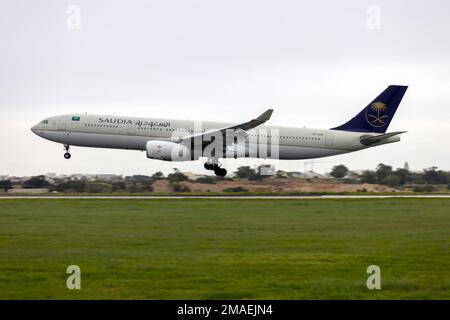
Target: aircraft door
column 62, row 126
column 329, row 141
column 131, row 129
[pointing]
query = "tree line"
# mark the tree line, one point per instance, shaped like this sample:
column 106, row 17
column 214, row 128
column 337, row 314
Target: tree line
column 386, row 175
column 383, row 174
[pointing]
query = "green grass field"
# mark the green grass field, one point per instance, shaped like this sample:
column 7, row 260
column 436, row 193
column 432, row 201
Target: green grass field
column 225, row 249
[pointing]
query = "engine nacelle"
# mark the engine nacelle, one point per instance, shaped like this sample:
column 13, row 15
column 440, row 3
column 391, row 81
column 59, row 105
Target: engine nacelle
column 167, row 151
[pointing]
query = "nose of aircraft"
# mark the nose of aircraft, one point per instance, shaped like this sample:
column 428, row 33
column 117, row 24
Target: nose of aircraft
column 34, row 128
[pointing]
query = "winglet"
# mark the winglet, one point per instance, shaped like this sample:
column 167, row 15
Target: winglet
column 265, row 116
column 255, row 122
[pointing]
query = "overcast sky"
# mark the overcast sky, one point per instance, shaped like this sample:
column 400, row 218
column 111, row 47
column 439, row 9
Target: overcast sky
column 317, row 63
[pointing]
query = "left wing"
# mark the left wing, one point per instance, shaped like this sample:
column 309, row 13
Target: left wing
column 240, row 128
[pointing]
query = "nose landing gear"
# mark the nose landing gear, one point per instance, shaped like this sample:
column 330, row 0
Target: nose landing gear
column 67, row 155
column 213, row 164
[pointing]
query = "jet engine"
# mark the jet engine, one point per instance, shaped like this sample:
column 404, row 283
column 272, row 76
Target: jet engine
column 168, row 151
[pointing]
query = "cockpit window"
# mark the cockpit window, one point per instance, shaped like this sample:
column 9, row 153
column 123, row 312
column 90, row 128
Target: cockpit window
column 44, row 122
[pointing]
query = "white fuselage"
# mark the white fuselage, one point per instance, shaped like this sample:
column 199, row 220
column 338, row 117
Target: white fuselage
column 133, row 133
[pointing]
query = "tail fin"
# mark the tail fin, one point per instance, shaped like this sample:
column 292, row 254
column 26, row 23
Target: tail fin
column 378, row 114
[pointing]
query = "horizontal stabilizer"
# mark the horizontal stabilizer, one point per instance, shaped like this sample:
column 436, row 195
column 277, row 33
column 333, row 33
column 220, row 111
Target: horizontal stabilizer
column 368, row 140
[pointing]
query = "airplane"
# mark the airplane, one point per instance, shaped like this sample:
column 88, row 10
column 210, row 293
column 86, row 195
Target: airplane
column 185, row 140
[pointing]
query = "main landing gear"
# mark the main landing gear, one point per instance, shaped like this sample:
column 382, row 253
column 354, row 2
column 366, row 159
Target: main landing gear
column 216, row 166
column 67, row 154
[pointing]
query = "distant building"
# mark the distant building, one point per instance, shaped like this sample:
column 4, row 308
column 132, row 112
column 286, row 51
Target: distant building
column 295, row 174
column 306, row 175
column 356, row 172
column 109, row 177
column 77, row 176
column 267, row 170
column 281, row 174
column 17, row 180
column 193, row 176
column 312, row 174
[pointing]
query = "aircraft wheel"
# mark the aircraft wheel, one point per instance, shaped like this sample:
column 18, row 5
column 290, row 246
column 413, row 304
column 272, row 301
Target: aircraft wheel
column 220, row 172
column 67, row 155
column 208, row 166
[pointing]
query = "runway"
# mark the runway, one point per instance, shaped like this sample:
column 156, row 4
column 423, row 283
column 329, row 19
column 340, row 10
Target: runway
column 275, row 197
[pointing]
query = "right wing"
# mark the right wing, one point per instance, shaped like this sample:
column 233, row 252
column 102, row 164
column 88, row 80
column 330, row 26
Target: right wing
column 241, row 128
